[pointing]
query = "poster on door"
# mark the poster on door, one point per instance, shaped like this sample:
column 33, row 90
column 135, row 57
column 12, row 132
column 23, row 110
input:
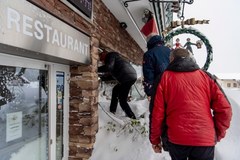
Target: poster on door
column 13, row 126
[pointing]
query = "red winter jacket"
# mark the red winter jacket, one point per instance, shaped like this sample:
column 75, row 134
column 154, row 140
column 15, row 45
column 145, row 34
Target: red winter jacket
column 197, row 111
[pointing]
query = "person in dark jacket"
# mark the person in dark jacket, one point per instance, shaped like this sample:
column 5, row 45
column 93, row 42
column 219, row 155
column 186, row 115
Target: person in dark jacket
column 155, row 61
column 196, row 111
column 126, row 76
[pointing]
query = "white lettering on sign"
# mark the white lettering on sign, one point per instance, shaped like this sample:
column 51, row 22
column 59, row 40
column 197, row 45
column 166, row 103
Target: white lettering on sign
column 38, row 33
column 35, row 28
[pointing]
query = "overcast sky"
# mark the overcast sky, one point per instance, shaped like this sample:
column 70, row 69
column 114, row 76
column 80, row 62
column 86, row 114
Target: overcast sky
column 223, row 32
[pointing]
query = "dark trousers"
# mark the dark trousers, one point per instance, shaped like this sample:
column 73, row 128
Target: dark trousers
column 180, row 152
column 120, row 93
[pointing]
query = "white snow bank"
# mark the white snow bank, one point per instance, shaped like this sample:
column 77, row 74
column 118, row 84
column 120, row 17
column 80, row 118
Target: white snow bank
column 228, row 148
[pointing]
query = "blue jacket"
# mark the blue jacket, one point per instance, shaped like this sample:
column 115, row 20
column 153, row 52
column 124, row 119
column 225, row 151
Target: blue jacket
column 155, row 61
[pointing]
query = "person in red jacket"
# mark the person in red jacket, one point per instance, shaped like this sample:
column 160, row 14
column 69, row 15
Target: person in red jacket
column 194, row 107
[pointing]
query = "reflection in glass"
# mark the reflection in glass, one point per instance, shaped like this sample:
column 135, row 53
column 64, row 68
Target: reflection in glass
column 59, row 120
column 23, row 113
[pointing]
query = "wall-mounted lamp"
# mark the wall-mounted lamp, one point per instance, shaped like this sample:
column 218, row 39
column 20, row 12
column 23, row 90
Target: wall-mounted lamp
column 123, row 25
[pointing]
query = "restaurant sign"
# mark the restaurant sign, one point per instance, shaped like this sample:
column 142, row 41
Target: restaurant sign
column 26, row 26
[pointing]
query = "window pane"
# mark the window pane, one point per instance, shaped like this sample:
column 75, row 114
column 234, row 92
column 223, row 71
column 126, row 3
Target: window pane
column 59, row 120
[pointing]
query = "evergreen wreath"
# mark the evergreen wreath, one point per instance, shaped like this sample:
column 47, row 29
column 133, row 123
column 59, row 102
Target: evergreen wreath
column 203, row 38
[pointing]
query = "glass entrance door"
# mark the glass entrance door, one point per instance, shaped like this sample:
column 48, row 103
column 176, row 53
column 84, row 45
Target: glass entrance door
column 24, row 111
column 33, row 109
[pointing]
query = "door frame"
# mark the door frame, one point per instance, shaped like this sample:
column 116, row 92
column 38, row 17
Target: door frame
column 53, row 69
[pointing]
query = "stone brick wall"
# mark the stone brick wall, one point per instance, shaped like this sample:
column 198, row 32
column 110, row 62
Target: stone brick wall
column 105, row 31
column 83, row 121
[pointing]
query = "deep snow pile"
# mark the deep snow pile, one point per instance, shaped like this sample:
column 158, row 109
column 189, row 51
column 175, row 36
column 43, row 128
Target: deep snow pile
column 128, row 141
column 123, row 141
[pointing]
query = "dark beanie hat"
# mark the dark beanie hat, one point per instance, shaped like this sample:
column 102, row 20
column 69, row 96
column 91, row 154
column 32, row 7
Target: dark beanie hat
column 157, row 39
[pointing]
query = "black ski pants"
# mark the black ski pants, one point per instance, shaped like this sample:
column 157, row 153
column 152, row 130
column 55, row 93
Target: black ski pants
column 181, row 152
column 120, row 93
